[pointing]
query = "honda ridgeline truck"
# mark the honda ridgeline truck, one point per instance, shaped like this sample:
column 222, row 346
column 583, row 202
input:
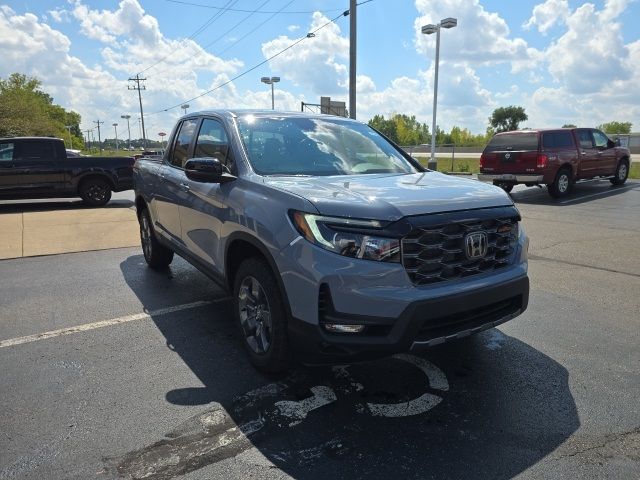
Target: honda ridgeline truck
column 334, row 243
column 557, row 158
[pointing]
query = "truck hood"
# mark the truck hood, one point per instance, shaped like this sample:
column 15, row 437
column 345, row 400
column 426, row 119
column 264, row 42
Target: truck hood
column 391, row 196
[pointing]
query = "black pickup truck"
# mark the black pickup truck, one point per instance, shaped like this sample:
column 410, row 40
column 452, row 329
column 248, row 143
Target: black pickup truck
column 38, row 167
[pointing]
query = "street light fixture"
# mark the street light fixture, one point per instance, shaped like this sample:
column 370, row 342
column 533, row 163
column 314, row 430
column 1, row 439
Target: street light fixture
column 428, row 30
column 184, row 107
column 115, row 127
column 127, row 117
column 271, row 81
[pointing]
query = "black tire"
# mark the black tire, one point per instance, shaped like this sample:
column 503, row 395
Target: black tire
column 622, row 173
column 261, row 316
column 507, row 187
column 156, row 255
column 95, row 192
column 562, row 184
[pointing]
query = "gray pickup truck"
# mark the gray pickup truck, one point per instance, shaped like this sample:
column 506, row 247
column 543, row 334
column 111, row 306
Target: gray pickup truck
column 334, row 243
column 40, row 167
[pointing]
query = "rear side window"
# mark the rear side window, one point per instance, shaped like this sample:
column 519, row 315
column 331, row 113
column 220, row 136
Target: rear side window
column 37, row 150
column 554, row 140
column 513, row 142
column 182, row 143
column 585, row 139
column 6, row 151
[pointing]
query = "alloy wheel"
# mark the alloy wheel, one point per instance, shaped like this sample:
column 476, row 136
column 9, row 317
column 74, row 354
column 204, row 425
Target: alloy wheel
column 255, row 315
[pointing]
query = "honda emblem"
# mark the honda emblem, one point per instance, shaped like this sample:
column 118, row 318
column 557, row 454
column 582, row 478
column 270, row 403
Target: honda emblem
column 476, row 245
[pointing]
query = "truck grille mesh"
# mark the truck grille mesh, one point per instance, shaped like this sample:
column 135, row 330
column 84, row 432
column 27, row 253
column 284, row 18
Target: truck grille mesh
column 435, row 254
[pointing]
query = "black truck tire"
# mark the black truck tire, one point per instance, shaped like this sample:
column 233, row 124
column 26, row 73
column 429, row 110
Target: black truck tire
column 261, row 316
column 95, row 191
column 156, row 255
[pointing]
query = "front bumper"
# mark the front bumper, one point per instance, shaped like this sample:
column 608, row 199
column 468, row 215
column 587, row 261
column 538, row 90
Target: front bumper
column 510, row 178
column 422, row 324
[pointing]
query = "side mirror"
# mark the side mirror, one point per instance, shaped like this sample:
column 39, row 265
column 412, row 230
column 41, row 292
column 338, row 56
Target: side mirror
column 612, row 144
column 204, row 169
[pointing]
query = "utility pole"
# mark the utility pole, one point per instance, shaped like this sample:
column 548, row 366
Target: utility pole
column 137, row 87
column 352, row 58
column 98, row 122
column 89, row 138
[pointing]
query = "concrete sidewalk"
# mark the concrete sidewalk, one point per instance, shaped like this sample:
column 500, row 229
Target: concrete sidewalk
column 28, row 234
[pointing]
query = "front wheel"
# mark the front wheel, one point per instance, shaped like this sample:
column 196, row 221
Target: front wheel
column 622, row 172
column 562, row 184
column 261, row 317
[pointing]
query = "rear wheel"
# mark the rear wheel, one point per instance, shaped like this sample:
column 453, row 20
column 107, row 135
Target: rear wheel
column 156, row 255
column 562, row 184
column 261, row 317
column 95, row 192
column 622, row 172
column 507, row 187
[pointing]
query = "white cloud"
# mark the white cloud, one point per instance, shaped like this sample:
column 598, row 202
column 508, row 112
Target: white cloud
column 591, row 54
column 481, row 37
column 293, row 28
column 546, row 15
column 316, row 63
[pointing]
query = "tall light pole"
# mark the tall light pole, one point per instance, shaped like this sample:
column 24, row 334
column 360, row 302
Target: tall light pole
column 127, row 117
column 184, row 107
column 68, row 127
column 428, row 30
column 271, row 81
column 115, row 128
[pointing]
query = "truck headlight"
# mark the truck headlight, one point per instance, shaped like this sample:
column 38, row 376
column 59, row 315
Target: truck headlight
column 348, row 237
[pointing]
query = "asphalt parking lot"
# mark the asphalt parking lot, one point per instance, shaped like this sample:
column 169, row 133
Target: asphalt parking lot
column 112, row 370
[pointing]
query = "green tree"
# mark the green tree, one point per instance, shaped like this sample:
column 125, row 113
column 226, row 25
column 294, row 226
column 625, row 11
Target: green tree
column 569, row 125
column 616, row 127
column 26, row 110
column 504, row 119
column 402, row 129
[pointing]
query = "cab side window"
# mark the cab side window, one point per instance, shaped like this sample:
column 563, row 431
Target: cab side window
column 6, row 151
column 601, row 140
column 182, row 143
column 584, row 138
column 212, row 141
column 34, row 150
column 557, row 140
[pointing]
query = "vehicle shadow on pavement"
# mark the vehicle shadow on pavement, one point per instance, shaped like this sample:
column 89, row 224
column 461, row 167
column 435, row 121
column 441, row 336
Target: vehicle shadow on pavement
column 48, row 206
column 490, row 406
column 582, row 193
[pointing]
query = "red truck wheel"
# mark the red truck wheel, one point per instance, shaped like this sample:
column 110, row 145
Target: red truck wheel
column 622, row 172
column 562, row 184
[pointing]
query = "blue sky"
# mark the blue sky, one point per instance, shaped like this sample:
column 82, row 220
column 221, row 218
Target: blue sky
column 564, row 61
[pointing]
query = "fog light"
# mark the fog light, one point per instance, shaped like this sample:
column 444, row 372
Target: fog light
column 338, row 328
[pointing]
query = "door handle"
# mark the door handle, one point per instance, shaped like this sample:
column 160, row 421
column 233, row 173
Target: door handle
column 583, row 153
column 184, row 187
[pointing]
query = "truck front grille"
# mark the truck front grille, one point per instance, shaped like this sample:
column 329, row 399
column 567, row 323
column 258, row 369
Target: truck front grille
column 436, row 253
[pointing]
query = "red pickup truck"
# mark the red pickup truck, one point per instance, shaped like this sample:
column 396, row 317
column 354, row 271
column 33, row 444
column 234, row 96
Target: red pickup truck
column 554, row 157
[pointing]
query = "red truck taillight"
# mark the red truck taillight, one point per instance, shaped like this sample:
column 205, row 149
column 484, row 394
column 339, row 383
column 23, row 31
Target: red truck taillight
column 542, row 161
column 481, row 164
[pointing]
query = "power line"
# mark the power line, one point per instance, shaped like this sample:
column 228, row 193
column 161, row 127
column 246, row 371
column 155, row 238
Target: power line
column 201, row 52
column 193, row 4
column 197, row 32
column 308, row 35
column 254, row 29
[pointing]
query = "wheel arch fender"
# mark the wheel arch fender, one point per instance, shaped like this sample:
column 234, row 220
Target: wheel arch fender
column 243, row 242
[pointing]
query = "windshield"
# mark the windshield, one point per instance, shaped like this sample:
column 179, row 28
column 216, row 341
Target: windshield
column 317, row 146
